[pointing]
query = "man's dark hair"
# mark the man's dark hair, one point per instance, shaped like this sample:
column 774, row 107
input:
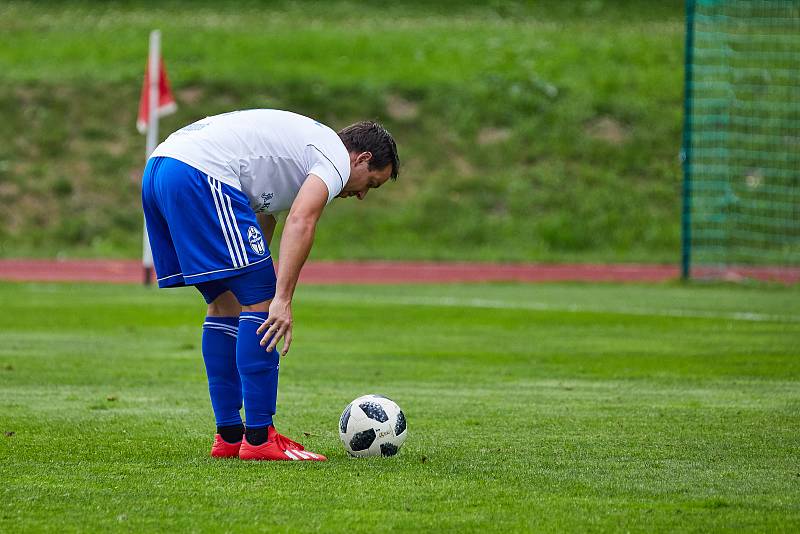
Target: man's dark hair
column 369, row 136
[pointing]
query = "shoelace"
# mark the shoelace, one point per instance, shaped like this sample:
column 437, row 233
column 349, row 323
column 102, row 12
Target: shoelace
column 285, row 443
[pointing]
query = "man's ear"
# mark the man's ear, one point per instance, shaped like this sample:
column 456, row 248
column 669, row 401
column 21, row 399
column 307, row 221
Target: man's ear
column 364, row 157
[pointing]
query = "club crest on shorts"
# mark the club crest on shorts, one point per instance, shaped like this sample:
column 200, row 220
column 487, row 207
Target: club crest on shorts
column 256, row 241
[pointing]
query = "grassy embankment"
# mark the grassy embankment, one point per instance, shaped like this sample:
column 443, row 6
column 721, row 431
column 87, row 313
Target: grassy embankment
column 542, row 132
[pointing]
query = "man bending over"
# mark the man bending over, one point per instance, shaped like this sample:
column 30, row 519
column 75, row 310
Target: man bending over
column 209, row 192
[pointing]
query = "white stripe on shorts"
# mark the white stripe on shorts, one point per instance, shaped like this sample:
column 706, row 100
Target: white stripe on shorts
column 233, row 228
column 169, row 276
column 222, row 223
column 187, row 276
column 236, row 232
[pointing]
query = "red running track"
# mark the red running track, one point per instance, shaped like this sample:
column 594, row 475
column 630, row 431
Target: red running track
column 387, row 272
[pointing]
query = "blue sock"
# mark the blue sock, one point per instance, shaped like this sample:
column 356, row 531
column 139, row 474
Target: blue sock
column 219, row 355
column 259, row 371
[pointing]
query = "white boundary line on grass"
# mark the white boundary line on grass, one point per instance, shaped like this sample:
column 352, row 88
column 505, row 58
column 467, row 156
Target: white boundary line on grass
column 453, row 302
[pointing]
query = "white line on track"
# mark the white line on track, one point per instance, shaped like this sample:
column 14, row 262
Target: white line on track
column 452, row 302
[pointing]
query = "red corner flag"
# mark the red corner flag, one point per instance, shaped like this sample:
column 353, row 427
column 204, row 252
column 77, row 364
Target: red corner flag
column 166, row 102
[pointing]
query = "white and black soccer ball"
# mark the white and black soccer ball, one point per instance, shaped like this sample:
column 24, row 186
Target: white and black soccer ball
column 372, row 425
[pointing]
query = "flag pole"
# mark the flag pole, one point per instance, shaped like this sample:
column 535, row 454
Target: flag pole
column 153, row 64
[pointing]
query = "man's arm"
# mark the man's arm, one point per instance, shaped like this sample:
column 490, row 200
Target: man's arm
column 267, row 223
column 296, row 241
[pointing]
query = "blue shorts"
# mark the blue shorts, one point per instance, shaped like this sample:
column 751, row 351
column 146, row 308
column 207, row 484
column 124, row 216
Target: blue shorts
column 204, row 233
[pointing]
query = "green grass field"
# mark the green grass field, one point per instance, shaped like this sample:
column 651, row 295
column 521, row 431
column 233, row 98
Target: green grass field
column 530, row 407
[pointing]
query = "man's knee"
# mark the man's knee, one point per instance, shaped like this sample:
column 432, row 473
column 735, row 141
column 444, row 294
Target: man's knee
column 262, row 307
column 224, row 305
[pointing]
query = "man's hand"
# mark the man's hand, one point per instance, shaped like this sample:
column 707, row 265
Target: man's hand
column 278, row 325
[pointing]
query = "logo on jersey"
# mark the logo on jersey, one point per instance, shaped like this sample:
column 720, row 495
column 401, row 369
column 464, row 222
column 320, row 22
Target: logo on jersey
column 256, row 241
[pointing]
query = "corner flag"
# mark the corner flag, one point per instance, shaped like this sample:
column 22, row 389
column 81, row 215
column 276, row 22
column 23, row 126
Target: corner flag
column 166, row 102
column 156, row 101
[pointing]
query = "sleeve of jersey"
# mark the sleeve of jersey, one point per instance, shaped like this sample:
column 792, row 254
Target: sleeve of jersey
column 324, row 168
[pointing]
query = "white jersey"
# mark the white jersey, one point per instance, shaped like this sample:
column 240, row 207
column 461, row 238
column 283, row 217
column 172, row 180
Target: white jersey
column 265, row 153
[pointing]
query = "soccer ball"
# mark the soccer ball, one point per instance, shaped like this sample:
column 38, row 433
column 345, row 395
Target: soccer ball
column 372, row 425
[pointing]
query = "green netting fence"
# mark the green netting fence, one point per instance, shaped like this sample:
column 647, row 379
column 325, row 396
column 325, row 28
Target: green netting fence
column 741, row 146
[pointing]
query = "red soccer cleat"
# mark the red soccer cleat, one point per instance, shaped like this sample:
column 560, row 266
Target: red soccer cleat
column 223, row 449
column 277, row 447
